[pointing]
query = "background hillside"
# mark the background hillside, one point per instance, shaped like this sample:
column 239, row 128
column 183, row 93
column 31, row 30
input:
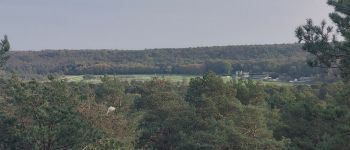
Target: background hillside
column 282, row 59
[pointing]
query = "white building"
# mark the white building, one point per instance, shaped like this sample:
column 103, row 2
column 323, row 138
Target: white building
column 242, row 75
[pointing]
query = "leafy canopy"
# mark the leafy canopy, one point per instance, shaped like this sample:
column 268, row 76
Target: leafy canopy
column 4, row 49
column 321, row 41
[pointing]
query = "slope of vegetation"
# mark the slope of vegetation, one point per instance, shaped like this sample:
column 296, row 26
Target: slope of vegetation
column 206, row 114
column 285, row 59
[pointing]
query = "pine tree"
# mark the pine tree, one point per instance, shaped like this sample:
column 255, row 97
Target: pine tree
column 322, row 43
column 47, row 116
column 4, row 49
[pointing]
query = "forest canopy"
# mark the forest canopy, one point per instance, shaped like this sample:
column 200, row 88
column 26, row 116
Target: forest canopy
column 287, row 59
column 206, row 113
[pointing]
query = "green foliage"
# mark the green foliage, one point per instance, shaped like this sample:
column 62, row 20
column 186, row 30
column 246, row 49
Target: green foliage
column 106, row 144
column 167, row 119
column 287, row 59
column 111, row 92
column 47, row 115
column 207, row 114
column 254, row 133
column 10, row 137
column 216, row 106
column 4, row 49
column 321, row 41
column 219, row 67
column 249, row 92
column 280, row 97
column 311, row 123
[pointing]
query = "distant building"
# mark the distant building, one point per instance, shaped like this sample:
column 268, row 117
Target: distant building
column 267, row 78
column 242, row 75
column 295, row 80
column 306, row 79
column 302, row 79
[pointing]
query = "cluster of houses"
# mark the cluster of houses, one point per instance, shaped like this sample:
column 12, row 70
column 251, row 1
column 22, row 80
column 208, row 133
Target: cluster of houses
column 266, row 77
column 302, row 80
column 242, row 75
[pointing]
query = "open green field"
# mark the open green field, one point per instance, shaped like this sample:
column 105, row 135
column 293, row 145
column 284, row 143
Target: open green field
column 96, row 78
column 147, row 77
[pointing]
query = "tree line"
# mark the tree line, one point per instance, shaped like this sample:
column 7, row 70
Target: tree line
column 283, row 59
column 206, row 114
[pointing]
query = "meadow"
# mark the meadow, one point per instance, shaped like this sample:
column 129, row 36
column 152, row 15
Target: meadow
column 185, row 79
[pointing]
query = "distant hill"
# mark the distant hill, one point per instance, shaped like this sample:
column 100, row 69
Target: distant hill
column 279, row 58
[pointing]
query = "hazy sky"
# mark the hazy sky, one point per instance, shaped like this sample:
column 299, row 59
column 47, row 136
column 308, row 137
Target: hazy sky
column 140, row 24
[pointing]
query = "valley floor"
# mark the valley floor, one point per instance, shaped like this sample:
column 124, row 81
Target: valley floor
column 168, row 77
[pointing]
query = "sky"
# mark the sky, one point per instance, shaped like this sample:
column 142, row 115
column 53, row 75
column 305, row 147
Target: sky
column 145, row 24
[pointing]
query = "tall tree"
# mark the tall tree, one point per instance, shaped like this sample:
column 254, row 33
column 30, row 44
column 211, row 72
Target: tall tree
column 321, row 41
column 4, row 49
column 47, row 115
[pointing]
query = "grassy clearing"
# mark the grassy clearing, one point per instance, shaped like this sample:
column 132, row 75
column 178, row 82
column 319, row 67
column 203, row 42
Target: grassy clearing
column 279, row 83
column 147, row 77
column 96, row 78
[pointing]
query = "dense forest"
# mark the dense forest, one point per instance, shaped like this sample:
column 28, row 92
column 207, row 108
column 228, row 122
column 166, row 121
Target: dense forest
column 156, row 114
column 283, row 59
column 208, row 113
